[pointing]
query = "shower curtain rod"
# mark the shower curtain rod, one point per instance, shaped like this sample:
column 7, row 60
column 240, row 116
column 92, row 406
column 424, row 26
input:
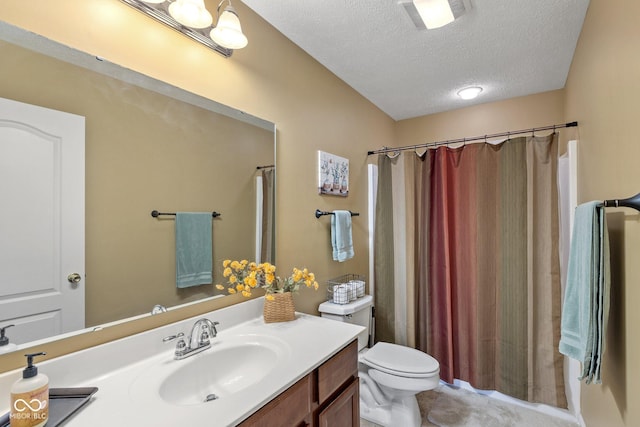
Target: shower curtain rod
column 474, row 138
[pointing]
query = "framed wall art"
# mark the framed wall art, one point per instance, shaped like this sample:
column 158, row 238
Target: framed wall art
column 333, row 174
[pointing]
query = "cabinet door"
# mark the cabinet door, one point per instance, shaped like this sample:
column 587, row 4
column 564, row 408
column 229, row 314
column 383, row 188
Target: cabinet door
column 289, row 409
column 344, row 411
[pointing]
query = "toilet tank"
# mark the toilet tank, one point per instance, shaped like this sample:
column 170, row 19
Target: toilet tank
column 357, row 312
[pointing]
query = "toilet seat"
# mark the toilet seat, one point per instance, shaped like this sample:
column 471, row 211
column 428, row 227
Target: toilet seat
column 401, row 361
column 403, row 385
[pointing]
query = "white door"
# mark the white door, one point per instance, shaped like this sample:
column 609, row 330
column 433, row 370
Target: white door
column 41, row 221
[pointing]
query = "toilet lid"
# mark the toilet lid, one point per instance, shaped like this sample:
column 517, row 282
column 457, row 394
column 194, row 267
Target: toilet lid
column 393, row 358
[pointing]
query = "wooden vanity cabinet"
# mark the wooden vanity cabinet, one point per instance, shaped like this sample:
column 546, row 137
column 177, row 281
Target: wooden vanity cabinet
column 327, row 397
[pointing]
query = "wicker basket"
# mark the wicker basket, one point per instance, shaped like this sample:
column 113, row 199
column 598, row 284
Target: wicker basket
column 279, row 309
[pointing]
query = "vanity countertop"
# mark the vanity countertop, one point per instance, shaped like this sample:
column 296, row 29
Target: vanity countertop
column 115, row 368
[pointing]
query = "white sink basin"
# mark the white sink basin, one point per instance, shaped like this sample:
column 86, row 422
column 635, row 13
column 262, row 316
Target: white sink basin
column 226, row 369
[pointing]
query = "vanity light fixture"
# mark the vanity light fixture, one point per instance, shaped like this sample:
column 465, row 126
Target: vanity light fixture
column 227, row 31
column 191, row 18
column 434, row 13
column 469, row 92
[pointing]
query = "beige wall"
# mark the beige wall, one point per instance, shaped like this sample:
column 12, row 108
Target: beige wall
column 602, row 93
column 270, row 78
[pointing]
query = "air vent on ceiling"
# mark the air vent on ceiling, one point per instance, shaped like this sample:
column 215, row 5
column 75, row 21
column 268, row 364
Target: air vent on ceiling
column 458, row 7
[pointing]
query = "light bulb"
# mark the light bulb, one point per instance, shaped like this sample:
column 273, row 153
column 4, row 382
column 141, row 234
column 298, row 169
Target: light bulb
column 228, row 33
column 191, row 13
column 469, row 92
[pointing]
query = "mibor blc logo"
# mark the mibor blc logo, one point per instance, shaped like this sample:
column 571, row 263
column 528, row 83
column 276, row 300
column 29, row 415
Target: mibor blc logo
column 35, row 405
column 25, row 412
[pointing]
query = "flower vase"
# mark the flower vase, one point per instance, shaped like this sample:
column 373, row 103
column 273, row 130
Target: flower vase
column 280, row 308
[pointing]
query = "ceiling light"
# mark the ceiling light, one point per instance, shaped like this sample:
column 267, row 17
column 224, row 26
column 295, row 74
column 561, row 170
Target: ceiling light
column 469, row 92
column 228, row 32
column 191, row 13
column 434, row 13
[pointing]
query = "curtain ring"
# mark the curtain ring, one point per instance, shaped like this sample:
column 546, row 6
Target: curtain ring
column 393, row 154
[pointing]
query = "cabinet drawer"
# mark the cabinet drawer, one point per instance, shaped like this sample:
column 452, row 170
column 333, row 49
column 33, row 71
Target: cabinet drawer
column 288, row 409
column 337, row 371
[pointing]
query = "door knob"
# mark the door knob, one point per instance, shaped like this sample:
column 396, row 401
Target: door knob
column 74, row 278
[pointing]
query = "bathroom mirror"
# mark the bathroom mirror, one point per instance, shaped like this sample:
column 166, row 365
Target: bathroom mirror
column 148, row 146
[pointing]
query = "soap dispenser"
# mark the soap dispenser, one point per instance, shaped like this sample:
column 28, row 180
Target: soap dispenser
column 30, row 397
column 5, row 345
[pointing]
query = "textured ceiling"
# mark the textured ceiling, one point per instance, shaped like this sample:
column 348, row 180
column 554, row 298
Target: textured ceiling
column 509, row 47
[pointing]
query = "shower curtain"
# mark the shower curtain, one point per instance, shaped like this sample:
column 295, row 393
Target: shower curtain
column 486, row 287
column 266, row 216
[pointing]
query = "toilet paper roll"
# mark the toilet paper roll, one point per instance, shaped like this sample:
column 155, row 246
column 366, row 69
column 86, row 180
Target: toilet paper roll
column 340, row 294
column 359, row 288
column 352, row 291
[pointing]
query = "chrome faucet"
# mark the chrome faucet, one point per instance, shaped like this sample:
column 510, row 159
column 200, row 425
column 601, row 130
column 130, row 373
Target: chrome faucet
column 158, row 308
column 201, row 332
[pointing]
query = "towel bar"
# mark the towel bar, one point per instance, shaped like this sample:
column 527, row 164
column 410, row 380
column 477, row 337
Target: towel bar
column 320, row 213
column 156, row 214
column 631, row 202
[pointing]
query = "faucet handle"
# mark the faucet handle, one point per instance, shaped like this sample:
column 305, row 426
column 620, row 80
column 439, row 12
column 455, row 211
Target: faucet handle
column 214, row 331
column 172, row 337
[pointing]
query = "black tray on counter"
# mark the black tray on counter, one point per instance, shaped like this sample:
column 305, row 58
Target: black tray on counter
column 63, row 402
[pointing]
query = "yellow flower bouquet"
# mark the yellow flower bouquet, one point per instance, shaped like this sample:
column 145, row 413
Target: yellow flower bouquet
column 244, row 276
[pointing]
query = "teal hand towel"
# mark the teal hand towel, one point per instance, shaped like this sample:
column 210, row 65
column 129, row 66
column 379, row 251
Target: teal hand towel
column 194, row 263
column 341, row 239
column 586, row 302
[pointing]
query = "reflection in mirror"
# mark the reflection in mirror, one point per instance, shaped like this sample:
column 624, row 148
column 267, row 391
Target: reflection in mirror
column 148, row 146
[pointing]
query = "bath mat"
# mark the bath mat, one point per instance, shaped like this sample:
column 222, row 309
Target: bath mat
column 455, row 407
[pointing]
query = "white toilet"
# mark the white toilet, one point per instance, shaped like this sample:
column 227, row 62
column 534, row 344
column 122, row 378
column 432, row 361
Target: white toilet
column 390, row 375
